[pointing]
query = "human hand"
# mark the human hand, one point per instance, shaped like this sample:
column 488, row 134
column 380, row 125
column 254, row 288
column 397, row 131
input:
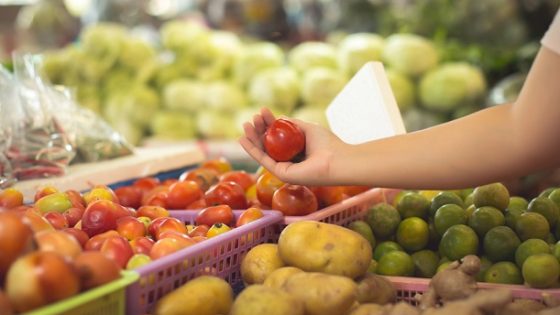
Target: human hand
column 320, row 148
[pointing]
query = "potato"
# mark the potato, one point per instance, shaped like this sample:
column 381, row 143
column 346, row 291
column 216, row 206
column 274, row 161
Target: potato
column 322, row 294
column 321, row 247
column 259, row 299
column 368, row 309
column 259, row 262
column 193, row 297
column 375, row 289
column 521, row 307
column 278, row 277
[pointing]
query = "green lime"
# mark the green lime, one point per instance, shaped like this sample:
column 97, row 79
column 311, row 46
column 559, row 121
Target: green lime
column 465, row 193
column 547, row 192
column 443, row 266
column 517, row 202
column 494, row 195
column 541, row 271
column 444, row 198
column 447, row 216
column 469, row 211
column 484, row 218
column 362, row 228
column 500, row 244
column 385, row 247
column 504, row 272
column 443, row 260
column 555, row 197
column 546, row 207
column 429, row 194
column 532, row 225
column 396, row 263
column 485, row 263
column 469, row 200
column 383, row 220
column 399, row 196
column 551, row 239
column 458, row 241
column 413, row 204
column 528, row 248
column 557, row 231
column 434, row 237
column 372, row 266
column 511, row 216
column 413, row 234
column 556, row 250
column 425, row 263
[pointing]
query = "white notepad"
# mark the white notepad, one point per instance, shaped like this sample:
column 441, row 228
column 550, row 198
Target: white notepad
column 366, row 108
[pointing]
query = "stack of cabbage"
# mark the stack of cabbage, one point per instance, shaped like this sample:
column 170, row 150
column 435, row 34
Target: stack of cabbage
column 201, row 83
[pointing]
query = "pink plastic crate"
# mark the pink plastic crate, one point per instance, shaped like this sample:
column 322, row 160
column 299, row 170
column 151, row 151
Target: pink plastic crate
column 408, row 287
column 220, row 256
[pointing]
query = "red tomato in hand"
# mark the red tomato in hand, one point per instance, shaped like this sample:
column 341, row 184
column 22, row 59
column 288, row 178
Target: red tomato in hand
column 294, row 200
column 204, row 177
column 181, row 194
column 284, row 140
column 216, row 214
column 243, row 178
column 227, row 193
column 267, row 184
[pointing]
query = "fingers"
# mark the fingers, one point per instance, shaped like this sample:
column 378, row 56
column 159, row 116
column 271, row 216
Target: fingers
column 258, row 154
column 267, row 116
column 252, row 135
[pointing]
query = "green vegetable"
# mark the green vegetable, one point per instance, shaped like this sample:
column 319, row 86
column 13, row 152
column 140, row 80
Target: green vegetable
column 320, row 85
column 309, row 55
column 403, row 89
column 173, row 125
column 255, row 58
column 216, row 125
column 225, row 96
column 184, row 95
column 357, row 49
column 278, row 87
column 410, row 54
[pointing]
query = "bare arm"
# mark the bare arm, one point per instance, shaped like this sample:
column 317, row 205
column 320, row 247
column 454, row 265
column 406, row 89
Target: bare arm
column 498, row 143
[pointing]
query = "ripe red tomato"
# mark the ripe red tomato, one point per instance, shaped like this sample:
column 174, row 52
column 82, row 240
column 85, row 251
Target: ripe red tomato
column 216, row 214
column 284, row 140
column 76, row 199
column 267, row 184
column 220, row 165
column 181, row 194
column 329, row 195
column 294, row 200
column 199, row 231
column 129, row 196
column 228, row 193
column 204, row 177
column 156, row 197
column 198, row 204
column 249, row 215
column 10, row 198
column 146, row 183
column 244, row 179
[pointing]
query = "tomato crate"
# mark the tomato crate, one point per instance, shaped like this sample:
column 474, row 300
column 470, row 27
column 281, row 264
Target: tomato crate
column 219, row 256
column 106, row 299
column 407, row 288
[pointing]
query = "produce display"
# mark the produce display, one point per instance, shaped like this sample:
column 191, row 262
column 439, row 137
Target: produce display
column 194, row 82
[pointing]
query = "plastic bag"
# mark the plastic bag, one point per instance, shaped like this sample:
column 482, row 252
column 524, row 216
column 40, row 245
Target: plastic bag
column 7, row 95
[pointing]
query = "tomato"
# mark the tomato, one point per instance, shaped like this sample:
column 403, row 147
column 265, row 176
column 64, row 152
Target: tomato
column 156, row 197
column 267, row 184
column 170, row 181
column 215, row 214
column 101, row 216
column 11, row 198
column 129, row 196
column 284, row 140
column 181, row 194
column 152, row 212
column 244, row 179
column 204, row 177
column 198, row 204
column 294, row 200
column 220, row 165
column 47, row 190
column 146, row 183
column 249, row 215
column 217, row 229
column 329, row 195
column 76, row 199
column 199, row 230
column 228, row 193
column 354, row 190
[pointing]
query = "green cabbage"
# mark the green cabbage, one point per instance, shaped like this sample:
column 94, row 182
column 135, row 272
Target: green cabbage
column 225, row 96
column 321, row 85
column 181, row 36
column 184, row 95
column 403, row 89
column 313, row 115
column 410, row 54
column 215, row 57
column 137, row 104
column 452, row 85
column 136, row 52
column 357, row 49
column 310, row 55
column 277, row 87
column 103, row 42
column 255, row 58
column 88, row 96
column 212, row 124
column 173, row 125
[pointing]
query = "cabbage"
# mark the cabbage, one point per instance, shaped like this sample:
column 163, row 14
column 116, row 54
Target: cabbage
column 88, row 96
column 117, row 81
column 216, row 56
column 451, row 85
column 181, row 36
column 214, row 124
column 167, row 73
column 242, row 116
column 225, row 96
column 313, row 115
column 136, row 52
column 275, row 88
column 403, row 89
column 63, row 66
column 184, row 95
column 357, row 49
column 103, row 42
column 173, row 125
column 410, row 54
column 321, row 85
column 310, row 55
column 137, row 104
column 255, row 58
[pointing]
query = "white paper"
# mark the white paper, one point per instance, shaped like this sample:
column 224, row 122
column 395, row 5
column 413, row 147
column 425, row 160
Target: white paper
column 366, row 108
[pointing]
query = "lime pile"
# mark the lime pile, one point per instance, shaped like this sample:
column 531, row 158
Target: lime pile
column 422, row 232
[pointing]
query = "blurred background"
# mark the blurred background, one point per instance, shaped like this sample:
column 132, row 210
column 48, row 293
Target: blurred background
column 160, row 71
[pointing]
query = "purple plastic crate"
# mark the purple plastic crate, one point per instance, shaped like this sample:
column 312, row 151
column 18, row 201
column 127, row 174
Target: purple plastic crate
column 220, row 256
